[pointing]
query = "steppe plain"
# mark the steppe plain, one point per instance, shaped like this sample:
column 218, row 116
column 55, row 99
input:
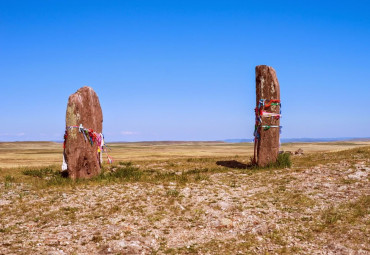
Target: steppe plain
column 172, row 198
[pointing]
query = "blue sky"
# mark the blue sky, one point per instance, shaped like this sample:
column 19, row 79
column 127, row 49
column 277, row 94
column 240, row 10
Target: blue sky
column 184, row 70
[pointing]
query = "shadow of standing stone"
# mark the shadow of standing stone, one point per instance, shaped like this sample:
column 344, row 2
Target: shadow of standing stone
column 232, row 164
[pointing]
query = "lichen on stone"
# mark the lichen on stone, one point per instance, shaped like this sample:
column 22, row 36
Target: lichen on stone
column 72, row 119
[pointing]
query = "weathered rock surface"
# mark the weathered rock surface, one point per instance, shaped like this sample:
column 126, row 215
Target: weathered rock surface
column 82, row 157
column 267, row 87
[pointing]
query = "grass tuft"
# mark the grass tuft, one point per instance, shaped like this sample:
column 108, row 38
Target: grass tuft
column 9, row 178
column 123, row 163
column 49, row 177
column 124, row 172
column 283, row 161
column 9, row 181
column 346, row 213
column 42, row 172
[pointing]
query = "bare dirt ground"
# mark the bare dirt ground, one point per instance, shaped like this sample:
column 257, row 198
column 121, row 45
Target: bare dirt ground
column 175, row 199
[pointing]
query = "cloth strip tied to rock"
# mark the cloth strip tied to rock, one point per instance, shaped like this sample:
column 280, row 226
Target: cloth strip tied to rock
column 259, row 112
column 92, row 137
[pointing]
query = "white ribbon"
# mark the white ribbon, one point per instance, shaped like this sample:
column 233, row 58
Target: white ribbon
column 64, row 165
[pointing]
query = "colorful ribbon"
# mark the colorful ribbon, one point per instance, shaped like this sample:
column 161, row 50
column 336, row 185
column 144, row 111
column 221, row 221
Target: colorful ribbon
column 92, row 137
column 259, row 112
column 266, row 127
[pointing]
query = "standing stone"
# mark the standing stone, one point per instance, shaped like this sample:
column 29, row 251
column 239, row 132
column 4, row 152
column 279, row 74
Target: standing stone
column 267, row 87
column 81, row 157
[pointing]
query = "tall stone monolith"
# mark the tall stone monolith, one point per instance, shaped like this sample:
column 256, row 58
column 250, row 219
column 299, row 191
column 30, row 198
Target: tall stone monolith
column 81, row 155
column 267, row 116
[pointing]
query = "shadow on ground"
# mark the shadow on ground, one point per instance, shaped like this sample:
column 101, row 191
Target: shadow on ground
column 232, row 164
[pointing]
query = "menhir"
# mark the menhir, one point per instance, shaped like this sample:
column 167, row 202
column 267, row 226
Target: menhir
column 83, row 139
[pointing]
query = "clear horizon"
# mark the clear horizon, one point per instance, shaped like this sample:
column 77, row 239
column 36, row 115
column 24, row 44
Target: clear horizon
column 169, row 71
column 231, row 140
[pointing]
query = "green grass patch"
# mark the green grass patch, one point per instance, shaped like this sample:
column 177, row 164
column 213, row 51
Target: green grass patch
column 338, row 217
column 123, row 163
column 199, row 160
column 283, row 161
column 125, row 172
column 9, row 178
column 8, row 181
column 40, row 173
column 348, row 212
column 120, row 173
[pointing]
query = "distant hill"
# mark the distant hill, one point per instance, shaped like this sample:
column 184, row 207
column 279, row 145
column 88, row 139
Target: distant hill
column 303, row 140
column 238, row 140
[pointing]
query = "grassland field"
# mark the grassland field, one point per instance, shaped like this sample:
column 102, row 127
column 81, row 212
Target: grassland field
column 26, row 154
column 173, row 198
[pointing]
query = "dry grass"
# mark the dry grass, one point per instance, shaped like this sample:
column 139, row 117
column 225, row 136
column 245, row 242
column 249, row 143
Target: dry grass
column 160, row 198
column 26, row 154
